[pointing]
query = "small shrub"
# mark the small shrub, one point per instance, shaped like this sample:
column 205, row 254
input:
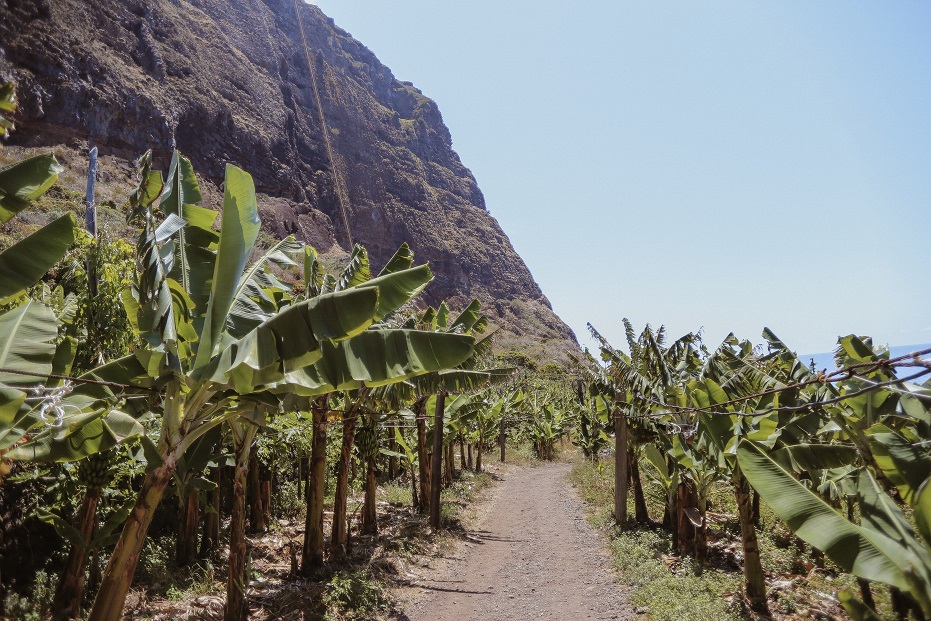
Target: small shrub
column 288, row 502
column 354, row 595
column 395, row 493
column 521, row 455
column 33, row 608
column 157, row 559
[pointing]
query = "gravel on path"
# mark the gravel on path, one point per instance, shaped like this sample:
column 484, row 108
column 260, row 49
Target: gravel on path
column 532, row 556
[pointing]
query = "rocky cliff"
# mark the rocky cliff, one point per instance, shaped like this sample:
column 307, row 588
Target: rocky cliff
column 232, row 81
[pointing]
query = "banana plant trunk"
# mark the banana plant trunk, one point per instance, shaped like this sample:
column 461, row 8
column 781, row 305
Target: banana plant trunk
column 640, row 503
column 312, row 553
column 256, row 510
column 340, row 532
column 436, row 476
column 369, row 514
column 701, row 533
column 462, row 455
column 415, row 502
column 237, row 608
column 620, row 469
column 754, row 579
column 67, row 603
column 392, row 461
column 502, row 439
column 866, row 594
column 210, row 534
column 450, row 470
column 687, row 499
column 423, row 459
column 118, row 576
column 478, row 451
column 266, row 494
column 469, row 457
column 186, row 547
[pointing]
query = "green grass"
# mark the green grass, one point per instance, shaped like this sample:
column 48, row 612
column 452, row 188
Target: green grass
column 395, row 492
column 356, row 595
column 684, row 592
column 520, row 455
column 669, row 586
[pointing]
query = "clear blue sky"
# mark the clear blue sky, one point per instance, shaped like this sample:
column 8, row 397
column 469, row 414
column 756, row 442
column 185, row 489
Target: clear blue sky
column 725, row 165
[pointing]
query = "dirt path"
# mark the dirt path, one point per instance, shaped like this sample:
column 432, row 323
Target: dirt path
column 533, row 556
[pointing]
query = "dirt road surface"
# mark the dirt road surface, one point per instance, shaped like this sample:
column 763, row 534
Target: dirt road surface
column 531, row 556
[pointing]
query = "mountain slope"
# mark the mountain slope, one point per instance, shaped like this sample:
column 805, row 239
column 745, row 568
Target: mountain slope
column 230, row 81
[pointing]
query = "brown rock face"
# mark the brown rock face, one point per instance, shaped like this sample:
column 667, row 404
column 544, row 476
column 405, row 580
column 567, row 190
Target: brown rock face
column 229, row 81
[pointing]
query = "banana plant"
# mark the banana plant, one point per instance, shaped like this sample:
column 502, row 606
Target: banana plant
column 32, row 347
column 883, row 548
column 591, row 435
column 463, row 377
column 407, row 455
column 874, row 443
column 35, row 345
column 375, row 358
column 703, row 470
column 476, row 418
column 207, row 349
column 640, row 385
column 733, row 365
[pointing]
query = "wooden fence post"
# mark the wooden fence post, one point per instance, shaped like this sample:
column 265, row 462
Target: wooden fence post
column 90, row 205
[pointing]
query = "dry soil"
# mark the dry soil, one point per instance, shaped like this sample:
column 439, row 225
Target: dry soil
column 531, row 556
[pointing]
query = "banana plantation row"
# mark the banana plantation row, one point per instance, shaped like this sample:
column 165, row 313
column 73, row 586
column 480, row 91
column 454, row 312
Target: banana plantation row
column 195, row 364
column 842, row 458
column 157, row 367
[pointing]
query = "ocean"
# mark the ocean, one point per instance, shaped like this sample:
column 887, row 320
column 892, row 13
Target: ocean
column 826, row 360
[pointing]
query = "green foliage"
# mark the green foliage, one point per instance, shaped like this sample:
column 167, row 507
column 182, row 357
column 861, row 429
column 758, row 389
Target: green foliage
column 101, row 327
column 683, row 590
column 354, row 595
column 7, row 106
column 396, row 493
column 24, row 181
column 805, row 444
column 37, row 606
column 688, row 594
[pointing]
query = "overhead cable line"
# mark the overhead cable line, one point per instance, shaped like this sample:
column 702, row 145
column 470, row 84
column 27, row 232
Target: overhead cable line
column 341, row 192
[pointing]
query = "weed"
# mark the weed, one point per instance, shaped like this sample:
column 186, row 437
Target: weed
column 355, row 595
column 288, row 502
column 157, row 559
column 396, row 493
column 521, row 455
column 687, row 592
column 33, row 608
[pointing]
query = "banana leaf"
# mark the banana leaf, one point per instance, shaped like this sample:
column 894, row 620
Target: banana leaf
column 27, row 343
column 403, row 259
column 377, row 358
column 906, row 465
column 25, row 181
column 96, row 432
column 291, row 339
column 803, row 457
column 239, row 230
column 24, row 263
column 861, row 551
